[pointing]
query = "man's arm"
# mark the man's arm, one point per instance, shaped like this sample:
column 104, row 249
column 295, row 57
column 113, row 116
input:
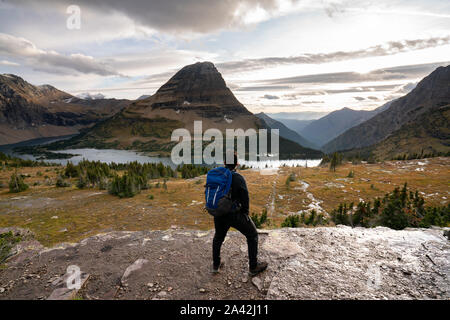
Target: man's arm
column 243, row 194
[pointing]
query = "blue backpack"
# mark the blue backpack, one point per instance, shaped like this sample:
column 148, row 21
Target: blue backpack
column 217, row 192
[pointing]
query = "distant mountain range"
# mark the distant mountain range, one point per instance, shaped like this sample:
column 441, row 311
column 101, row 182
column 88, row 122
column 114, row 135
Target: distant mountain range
column 303, row 115
column 293, row 124
column 285, row 132
column 30, row 112
column 418, row 123
column 196, row 92
column 333, row 124
column 322, row 130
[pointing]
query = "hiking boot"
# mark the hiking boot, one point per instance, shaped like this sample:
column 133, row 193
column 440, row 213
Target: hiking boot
column 215, row 269
column 260, row 267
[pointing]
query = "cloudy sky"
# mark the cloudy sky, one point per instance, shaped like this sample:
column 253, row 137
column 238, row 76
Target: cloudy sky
column 276, row 55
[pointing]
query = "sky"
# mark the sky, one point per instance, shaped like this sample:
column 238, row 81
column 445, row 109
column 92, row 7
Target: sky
column 275, row 55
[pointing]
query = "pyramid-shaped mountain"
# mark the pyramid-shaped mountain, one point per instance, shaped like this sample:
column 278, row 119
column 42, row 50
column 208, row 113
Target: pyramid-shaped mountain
column 196, row 92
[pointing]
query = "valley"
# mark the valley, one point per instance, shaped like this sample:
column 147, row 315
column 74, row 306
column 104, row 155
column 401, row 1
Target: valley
column 70, row 214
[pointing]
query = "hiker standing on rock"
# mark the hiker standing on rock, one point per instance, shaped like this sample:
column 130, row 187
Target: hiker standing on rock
column 227, row 200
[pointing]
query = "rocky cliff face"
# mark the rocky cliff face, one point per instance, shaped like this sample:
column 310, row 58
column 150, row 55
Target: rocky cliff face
column 198, row 87
column 432, row 93
column 28, row 111
column 304, row 263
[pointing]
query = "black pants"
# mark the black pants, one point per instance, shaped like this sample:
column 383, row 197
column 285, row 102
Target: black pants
column 242, row 223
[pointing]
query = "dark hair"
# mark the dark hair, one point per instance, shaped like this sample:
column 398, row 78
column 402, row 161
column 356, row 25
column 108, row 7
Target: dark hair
column 232, row 166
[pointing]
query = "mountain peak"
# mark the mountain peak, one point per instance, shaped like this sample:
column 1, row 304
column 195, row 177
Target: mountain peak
column 198, row 86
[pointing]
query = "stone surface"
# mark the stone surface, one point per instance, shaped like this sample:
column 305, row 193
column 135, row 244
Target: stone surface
column 62, row 292
column 304, row 263
column 132, row 268
column 257, row 283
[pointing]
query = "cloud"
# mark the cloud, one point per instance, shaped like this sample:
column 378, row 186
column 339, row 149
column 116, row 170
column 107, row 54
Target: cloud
column 312, row 102
column 262, row 88
column 401, row 90
column 270, row 97
column 385, row 74
column 51, row 61
column 8, row 63
column 375, row 88
column 386, row 49
column 196, row 16
column 406, row 88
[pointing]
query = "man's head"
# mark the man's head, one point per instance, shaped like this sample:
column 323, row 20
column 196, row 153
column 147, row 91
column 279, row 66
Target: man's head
column 232, row 165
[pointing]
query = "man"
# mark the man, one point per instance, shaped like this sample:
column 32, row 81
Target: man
column 240, row 221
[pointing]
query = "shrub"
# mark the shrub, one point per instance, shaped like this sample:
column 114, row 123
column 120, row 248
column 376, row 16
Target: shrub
column 16, row 183
column 351, row 174
column 311, row 219
column 82, row 181
column 289, row 179
column 61, row 183
column 396, row 210
column 71, row 171
column 189, row 171
column 259, row 220
column 292, row 221
column 7, row 241
column 335, row 161
column 126, row 186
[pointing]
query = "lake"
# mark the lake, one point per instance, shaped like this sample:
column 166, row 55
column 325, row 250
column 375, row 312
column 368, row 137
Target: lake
column 124, row 156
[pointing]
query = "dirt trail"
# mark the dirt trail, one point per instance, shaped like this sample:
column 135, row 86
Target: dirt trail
column 304, row 263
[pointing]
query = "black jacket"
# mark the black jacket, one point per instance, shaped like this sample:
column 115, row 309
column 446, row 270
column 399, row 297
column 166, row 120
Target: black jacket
column 239, row 191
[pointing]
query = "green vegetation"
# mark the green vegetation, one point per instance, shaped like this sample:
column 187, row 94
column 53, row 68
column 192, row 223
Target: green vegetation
column 335, row 160
column 135, row 177
column 422, row 155
column 289, row 179
column 7, row 242
column 7, row 161
column 189, row 171
column 312, row 219
column 40, row 153
column 126, row 186
column 397, row 210
column 61, row 182
column 16, row 183
column 259, row 220
column 292, row 221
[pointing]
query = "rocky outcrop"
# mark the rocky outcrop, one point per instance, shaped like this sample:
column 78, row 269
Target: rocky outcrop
column 304, row 263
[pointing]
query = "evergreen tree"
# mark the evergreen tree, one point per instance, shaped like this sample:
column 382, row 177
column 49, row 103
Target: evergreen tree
column 16, row 183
